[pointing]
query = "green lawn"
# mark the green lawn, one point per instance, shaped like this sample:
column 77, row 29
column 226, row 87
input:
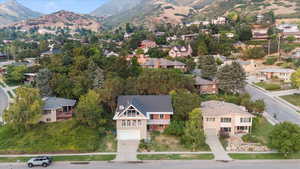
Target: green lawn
column 293, row 99
column 176, row 157
column 62, row 137
column 163, row 143
column 269, row 86
column 260, row 131
column 268, row 156
column 63, row 158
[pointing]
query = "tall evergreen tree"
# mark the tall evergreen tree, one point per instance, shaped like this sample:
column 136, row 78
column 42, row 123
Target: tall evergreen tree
column 231, row 78
column 43, row 79
column 209, row 66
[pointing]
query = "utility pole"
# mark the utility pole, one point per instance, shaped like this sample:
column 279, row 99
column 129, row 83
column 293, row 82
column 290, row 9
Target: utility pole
column 279, row 41
column 269, row 47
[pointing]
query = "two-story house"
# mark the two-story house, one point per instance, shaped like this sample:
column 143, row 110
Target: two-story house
column 181, row 51
column 226, row 118
column 57, row 109
column 137, row 114
column 279, row 73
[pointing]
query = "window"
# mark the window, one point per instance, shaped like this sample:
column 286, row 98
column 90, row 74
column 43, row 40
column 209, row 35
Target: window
column 131, row 112
column 225, row 120
column 123, row 123
column 210, row 119
column 134, row 123
column 151, row 116
column 226, row 129
column 47, row 112
column 48, row 119
column 245, row 120
column 65, row 109
column 128, row 123
column 161, row 126
column 161, row 116
column 242, row 127
column 139, row 123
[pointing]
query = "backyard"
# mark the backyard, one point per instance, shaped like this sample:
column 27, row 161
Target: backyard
column 293, row 99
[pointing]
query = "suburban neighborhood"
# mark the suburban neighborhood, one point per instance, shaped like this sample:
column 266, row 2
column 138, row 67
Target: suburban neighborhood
column 156, row 84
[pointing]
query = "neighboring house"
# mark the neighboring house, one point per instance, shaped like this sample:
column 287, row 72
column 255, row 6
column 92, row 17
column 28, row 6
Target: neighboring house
column 50, row 52
column 229, row 35
column 29, row 78
column 2, row 55
column 147, row 44
column 248, row 66
column 288, row 28
column 205, row 86
column 226, row 118
column 181, row 51
column 259, row 18
column 279, row 73
column 57, row 109
column 141, row 58
column 171, row 38
column 189, row 37
column 219, row 21
column 164, row 64
column 260, row 34
column 137, row 114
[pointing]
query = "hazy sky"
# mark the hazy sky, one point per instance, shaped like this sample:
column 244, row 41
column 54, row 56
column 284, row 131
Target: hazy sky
column 49, row 6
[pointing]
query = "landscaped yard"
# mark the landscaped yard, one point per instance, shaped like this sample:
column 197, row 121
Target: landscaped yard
column 162, row 143
column 269, row 86
column 176, row 157
column 293, row 99
column 61, row 137
column 261, row 129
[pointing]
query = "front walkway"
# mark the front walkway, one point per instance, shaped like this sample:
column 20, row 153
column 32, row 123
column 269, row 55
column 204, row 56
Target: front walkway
column 127, row 151
column 215, row 145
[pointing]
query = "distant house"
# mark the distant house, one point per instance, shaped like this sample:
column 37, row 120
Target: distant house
column 57, row 109
column 288, row 28
column 141, row 58
column 279, row 73
column 259, row 18
column 248, row 66
column 260, row 34
column 219, row 21
column 50, row 52
column 205, row 86
column 30, row 78
column 2, row 55
column 295, row 54
column 147, row 44
column 137, row 114
column 171, row 38
column 164, row 64
column 181, row 51
column 226, row 118
column 189, row 37
column 229, row 35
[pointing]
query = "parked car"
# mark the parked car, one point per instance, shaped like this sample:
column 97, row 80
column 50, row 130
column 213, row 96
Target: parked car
column 39, row 161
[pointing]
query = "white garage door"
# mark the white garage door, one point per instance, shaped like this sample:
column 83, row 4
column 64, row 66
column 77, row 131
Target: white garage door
column 128, row 135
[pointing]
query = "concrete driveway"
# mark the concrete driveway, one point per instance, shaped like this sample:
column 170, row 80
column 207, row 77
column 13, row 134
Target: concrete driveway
column 215, row 145
column 127, row 151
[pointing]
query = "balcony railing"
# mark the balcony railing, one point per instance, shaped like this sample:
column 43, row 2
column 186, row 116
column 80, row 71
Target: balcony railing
column 159, row 121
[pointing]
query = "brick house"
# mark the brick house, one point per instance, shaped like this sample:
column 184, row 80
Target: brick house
column 226, row 118
column 57, row 109
column 161, row 63
column 279, row 73
column 205, row 86
column 137, row 114
column 181, row 51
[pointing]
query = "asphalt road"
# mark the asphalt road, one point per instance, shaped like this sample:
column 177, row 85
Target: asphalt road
column 193, row 164
column 3, row 101
column 282, row 111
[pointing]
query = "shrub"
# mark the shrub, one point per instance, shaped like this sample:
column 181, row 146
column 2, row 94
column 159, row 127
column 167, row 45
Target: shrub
column 175, row 128
column 250, row 138
column 270, row 60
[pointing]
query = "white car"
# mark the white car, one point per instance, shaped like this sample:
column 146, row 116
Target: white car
column 39, row 161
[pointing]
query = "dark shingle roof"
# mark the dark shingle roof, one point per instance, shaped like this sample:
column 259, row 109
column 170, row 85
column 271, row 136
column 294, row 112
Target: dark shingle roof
column 55, row 103
column 144, row 104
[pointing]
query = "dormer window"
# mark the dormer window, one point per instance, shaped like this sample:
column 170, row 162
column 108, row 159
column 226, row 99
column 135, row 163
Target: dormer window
column 131, row 112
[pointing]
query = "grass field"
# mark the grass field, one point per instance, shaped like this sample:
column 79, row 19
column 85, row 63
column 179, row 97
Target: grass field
column 293, row 99
column 269, row 86
column 62, row 137
column 261, row 129
column 268, row 156
column 176, row 157
column 63, row 158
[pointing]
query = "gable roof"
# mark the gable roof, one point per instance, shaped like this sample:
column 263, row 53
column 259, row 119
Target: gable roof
column 55, row 103
column 145, row 103
column 220, row 108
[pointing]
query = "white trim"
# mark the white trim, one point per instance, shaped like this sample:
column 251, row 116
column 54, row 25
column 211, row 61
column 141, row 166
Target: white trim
column 117, row 115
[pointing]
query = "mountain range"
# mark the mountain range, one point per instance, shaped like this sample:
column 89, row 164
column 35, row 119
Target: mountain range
column 150, row 12
column 12, row 11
